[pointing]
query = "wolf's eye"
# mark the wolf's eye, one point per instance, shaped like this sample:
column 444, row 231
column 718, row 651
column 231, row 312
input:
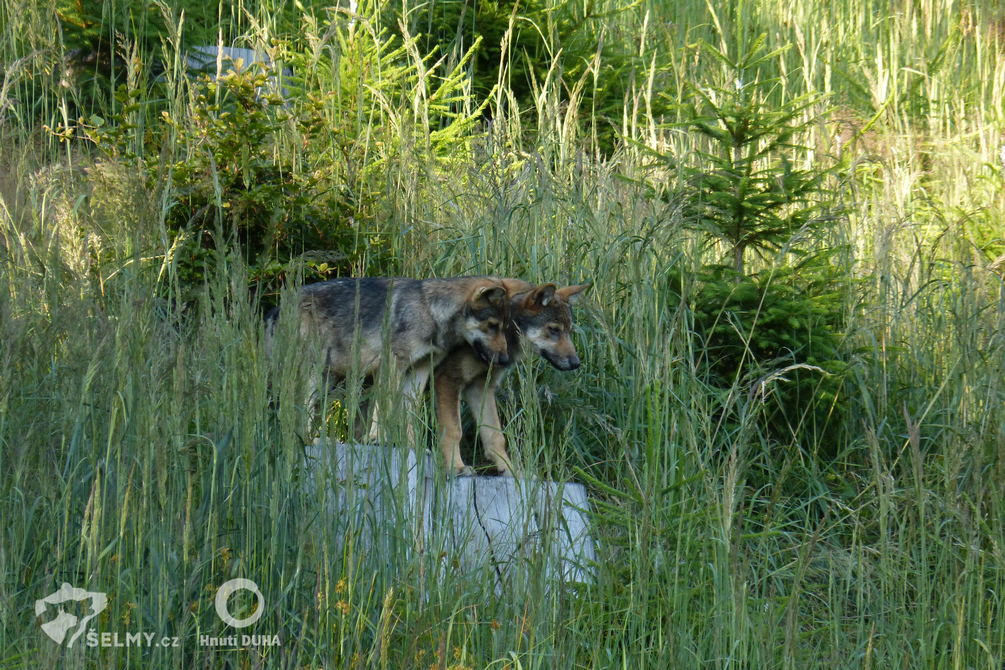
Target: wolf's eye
column 554, row 332
column 493, row 327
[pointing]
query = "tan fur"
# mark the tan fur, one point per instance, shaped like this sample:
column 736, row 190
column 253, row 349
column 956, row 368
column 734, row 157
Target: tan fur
column 542, row 316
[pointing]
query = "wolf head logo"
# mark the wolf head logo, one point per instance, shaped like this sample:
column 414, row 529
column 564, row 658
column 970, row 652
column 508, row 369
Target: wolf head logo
column 58, row 627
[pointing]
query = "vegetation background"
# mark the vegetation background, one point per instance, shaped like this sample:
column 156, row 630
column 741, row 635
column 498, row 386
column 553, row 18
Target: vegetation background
column 791, row 414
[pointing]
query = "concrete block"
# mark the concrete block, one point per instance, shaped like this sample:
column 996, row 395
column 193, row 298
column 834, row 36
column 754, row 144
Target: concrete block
column 505, row 525
column 204, row 59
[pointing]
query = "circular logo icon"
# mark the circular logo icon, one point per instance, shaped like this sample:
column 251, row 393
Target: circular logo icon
column 225, row 591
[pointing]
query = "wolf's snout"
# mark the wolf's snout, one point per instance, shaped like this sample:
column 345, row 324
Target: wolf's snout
column 564, row 363
column 490, row 356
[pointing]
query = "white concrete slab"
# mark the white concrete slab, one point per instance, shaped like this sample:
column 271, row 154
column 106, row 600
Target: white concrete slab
column 504, row 525
column 205, row 59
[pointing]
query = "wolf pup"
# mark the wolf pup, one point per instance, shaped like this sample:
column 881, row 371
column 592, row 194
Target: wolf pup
column 423, row 319
column 541, row 315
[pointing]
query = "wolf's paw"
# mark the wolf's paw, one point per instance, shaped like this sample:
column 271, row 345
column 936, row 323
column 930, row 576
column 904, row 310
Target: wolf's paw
column 466, row 471
column 506, row 472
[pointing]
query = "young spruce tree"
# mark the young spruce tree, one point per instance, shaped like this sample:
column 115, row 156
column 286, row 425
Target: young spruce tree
column 744, row 188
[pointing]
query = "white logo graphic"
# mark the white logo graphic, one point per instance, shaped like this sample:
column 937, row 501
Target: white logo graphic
column 226, row 589
column 64, row 621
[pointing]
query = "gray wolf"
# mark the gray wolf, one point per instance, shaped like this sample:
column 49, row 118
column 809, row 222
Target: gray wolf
column 541, row 317
column 353, row 320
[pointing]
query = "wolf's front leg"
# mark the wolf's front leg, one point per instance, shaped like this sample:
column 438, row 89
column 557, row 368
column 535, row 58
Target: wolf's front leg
column 482, row 401
column 448, row 416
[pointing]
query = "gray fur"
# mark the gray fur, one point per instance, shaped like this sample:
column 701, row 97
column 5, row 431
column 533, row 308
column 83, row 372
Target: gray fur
column 423, row 320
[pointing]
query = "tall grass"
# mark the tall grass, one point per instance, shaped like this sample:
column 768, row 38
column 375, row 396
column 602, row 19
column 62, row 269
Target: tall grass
column 149, row 448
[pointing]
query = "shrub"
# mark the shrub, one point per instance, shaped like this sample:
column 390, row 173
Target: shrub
column 776, row 335
column 240, row 177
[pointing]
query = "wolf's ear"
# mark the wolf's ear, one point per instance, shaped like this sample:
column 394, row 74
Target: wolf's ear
column 516, row 287
column 541, row 297
column 493, row 295
column 571, row 294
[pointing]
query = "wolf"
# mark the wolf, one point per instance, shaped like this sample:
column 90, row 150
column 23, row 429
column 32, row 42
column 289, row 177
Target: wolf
column 420, row 321
column 541, row 316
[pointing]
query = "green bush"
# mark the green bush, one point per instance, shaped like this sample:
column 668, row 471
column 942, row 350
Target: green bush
column 776, row 336
column 239, row 178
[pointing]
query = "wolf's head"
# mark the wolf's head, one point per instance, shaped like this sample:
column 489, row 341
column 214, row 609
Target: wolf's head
column 486, row 314
column 544, row 316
